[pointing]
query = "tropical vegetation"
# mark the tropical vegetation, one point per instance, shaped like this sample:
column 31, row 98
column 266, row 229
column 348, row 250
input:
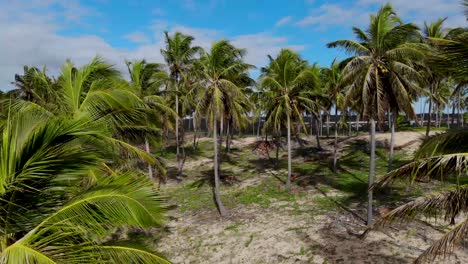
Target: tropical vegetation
column 80, row 152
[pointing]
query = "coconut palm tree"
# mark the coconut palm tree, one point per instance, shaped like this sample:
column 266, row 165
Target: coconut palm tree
column 380, row 75
column 97, row 92
column 289, row 83
column 335, row 92
column 145, row 81
column 60, row 202
column 216, row 90
column 433, row 74
column 179, row 55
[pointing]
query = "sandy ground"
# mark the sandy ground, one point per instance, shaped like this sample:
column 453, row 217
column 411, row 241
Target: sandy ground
column 283, row 234
column 275, row 235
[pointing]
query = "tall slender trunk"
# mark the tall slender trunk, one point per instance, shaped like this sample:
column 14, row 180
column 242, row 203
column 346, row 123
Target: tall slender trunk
column 357, row 124
column 228, row 134
column 428, row 127
column 392, row 142
column 459, row 112
column 288, row 180
column 311, row 124
column 150, row 167
column 179, row 158
column 317, row 136
column 389, row 120
column 189, row 124
column 452, row 120
column 371, row 172
column 321, row 124
column 423, row 113
column 328, row 124
column 194, row 145
column 222, row 210
column 278, row 142
column 460, row 109
column 258, row 127
column 253, row 128
column 447, row 121
column 349, row 123
column 335, row 145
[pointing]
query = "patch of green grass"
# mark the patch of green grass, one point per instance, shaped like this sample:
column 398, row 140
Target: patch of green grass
column 188, row 197
column 262, row 194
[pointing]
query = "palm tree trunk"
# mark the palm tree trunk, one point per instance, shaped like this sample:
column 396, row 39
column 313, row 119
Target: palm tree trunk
column 317, row 136
column 447, row 121
column 194, row 145
column 253, row 128
column 452, row 120
column 311, row 122
column 328, row 124
column 392, row 122
column 428, row 127
column 222, row 210
column 349, row 123
column 389, row 121
column 179, row 160
column 288, row 180
column 321, row 124
column 228, row 134
column 423, row 113
column 371, row 172
column 189, row 124
column 150, row 167
column 357, row 124
column 258, row 127
column 278, row 142
column 335, row 145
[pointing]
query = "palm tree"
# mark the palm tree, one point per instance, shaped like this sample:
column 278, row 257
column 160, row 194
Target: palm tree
column 433, row 74
column 34, row 85
column 145, row 81
column 216, row 90
column 380, row 75
column 290, row 85
column 96, row 92
column 179, row 56
column 60, row 202
column 442, row 156
column 335, row 91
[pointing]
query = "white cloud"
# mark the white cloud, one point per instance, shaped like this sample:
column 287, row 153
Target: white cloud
column 283, row 21
column 34, row 39
column 332, row 15
column 137, row 37
column 260, row 45
column 356, row 14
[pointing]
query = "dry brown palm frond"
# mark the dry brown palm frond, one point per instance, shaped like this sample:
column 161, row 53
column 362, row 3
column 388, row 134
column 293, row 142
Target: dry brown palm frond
column 436, row 166
column 444, row 246
column 451, row 202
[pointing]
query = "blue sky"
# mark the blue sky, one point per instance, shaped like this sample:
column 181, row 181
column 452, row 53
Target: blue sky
column 46, row 32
